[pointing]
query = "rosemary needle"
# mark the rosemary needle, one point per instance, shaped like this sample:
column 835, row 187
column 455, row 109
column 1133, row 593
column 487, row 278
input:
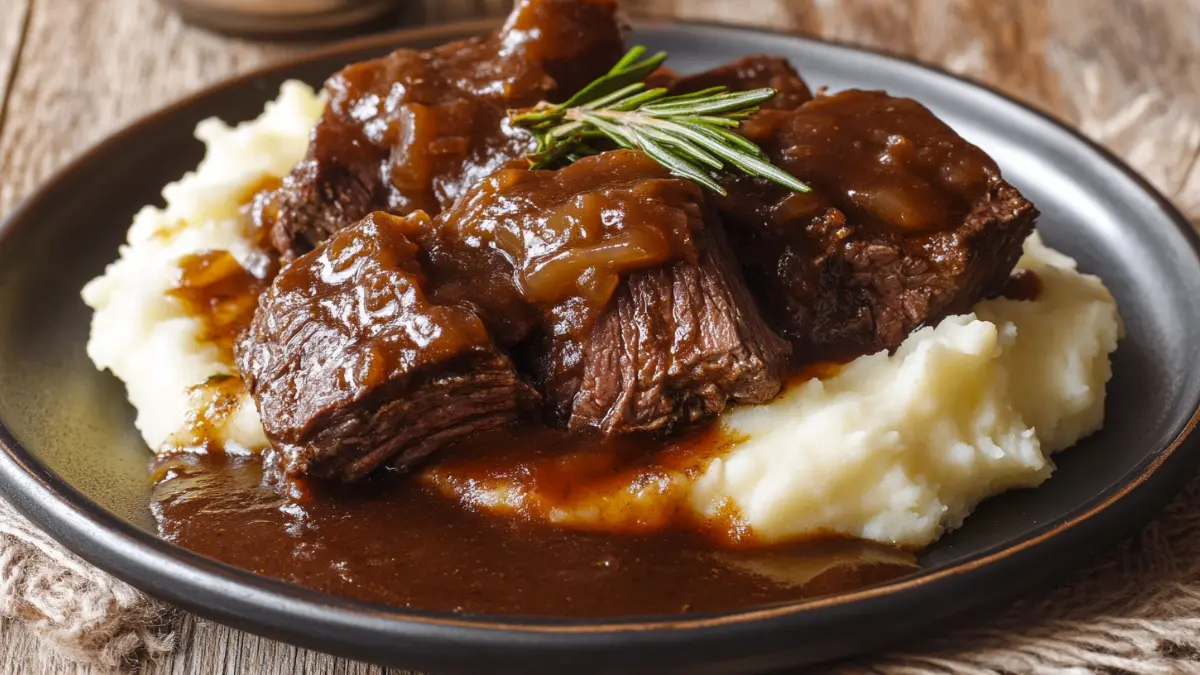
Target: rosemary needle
column 689, row 134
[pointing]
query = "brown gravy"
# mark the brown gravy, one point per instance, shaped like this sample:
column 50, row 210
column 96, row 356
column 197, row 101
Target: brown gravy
column 215, row 288
column 629, row 485
column 396, row 542
column 1023, row 285
column 218, row 398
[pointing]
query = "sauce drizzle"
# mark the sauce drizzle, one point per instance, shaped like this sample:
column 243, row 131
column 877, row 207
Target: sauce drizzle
column 215, row 289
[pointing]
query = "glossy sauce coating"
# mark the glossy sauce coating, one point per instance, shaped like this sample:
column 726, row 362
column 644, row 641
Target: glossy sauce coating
column 881, row 160
column 561, row 241
column 387, row 308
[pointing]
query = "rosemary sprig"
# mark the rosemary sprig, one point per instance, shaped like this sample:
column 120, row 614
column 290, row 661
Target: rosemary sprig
column 689, row 134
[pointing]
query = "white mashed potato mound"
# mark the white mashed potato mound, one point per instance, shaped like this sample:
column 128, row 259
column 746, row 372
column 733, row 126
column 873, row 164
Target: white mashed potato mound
column 893, row 448
column 900, row 448
column 141, row 333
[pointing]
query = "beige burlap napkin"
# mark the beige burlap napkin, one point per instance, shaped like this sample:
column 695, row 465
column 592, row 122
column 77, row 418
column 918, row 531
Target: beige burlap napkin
column 1136, row 610
column 79, row 611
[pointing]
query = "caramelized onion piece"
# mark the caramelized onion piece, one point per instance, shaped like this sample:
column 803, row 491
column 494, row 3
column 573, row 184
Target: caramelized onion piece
column 574, row 232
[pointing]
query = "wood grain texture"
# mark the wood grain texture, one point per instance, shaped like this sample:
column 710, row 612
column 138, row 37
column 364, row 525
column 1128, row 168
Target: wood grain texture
column 77, row 66
column 13, row 14
column 1126, row 73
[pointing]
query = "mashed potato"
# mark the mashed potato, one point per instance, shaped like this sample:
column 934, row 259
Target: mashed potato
column 893, row 448
column 141, row 333
column 898, row 448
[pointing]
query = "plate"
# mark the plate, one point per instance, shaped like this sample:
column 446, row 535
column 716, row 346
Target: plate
column 74, row 464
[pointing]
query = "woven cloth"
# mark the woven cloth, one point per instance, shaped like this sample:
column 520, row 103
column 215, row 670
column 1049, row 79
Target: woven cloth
column 1136, row 610
column 79, row 611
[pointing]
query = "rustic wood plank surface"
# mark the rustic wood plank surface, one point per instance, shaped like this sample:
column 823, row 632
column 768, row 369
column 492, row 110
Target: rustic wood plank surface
column 12, row 30
column 1124, row 72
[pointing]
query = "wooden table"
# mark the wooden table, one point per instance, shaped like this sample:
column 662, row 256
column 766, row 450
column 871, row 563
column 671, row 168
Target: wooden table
column 1125, row 72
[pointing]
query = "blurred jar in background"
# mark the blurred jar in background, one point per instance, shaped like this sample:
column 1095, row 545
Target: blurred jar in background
column 285, row 18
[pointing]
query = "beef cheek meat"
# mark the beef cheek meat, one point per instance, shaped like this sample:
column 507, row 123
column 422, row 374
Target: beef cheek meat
column 352, row 365
column 676, row 344
column 413, row 129
column 906, row 223
column 615, row 280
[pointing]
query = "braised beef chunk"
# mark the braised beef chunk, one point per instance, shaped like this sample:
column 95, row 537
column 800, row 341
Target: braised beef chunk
column 414, row 129
column 676, row 345
column 907, row 222
column 634, row 316
column 748, row 72
column 353, row 366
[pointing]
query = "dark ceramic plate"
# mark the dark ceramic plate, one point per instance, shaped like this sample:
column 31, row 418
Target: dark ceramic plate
column 74, row 464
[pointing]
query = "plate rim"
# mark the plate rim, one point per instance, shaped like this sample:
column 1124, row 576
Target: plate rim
column 142, row 559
